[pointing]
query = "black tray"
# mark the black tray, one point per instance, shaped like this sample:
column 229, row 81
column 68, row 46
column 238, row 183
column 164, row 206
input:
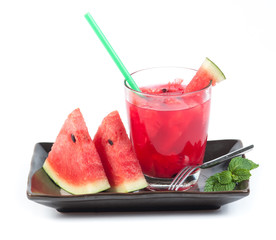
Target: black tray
column 42, row 190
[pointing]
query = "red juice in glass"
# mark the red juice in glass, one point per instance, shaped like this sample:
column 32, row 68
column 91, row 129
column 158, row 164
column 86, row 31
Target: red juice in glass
column 168, row 128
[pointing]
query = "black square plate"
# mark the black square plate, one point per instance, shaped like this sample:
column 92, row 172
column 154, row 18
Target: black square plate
column 42, row 190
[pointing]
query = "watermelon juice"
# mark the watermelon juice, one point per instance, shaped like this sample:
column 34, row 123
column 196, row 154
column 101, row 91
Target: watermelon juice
column 168, row 128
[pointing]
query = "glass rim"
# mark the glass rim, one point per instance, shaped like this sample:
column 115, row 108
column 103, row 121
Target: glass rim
column 157, row 95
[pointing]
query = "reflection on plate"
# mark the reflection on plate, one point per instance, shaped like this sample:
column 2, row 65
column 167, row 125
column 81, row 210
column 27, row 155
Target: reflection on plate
column 43, row 190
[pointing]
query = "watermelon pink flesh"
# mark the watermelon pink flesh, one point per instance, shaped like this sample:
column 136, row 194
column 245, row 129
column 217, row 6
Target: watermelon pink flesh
column 207, row 72
column 73, row 162
column 119, row 160
column 171, row 88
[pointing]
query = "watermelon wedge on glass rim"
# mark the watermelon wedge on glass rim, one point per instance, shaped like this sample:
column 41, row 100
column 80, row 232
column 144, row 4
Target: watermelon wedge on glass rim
column 73, row 162
column 207, row 72
column 119, row 160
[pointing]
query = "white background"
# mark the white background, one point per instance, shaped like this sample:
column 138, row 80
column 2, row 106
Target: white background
column 52, row 62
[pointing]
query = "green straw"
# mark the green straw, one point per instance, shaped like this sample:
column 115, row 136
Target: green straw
column 111, row 52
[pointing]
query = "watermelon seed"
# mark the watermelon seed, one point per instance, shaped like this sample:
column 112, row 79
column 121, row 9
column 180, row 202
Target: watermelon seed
column 110, row 142
column 164, row 90
column 73, row 138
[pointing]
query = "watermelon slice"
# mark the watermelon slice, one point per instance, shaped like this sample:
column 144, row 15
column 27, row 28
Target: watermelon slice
column 207, row 72
column 119, row 160
column 73, row 162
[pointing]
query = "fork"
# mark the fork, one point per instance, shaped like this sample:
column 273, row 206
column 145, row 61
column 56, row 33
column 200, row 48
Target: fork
column 187, row 171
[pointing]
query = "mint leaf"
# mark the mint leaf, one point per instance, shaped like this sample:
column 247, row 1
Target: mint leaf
column 220, row 182
column 241, row 163
column 225, row 177
column 210, row 183
column 241, row 175
column 238, row 171
column 224, row 187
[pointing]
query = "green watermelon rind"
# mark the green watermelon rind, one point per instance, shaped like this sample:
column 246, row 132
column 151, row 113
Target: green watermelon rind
column 213, row 70
column 132, row 186
column 89, row 188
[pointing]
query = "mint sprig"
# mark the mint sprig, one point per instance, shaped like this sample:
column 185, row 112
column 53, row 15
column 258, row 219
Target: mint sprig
column 238, row 170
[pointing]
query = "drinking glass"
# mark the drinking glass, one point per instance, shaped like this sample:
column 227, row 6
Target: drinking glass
column 168, row 131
